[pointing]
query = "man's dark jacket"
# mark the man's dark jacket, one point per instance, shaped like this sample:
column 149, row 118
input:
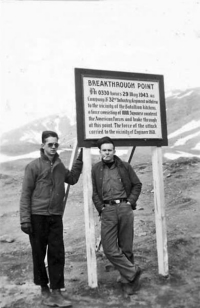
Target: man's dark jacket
column 131, row 183
column 43, row 188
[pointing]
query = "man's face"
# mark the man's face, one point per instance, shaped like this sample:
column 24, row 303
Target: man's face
column 50, row 146
column 107, row 152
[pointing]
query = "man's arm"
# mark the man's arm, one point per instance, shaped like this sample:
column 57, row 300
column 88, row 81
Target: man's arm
column 136, row 187
column 98, row 202
column 27, row 191
column 72, row 176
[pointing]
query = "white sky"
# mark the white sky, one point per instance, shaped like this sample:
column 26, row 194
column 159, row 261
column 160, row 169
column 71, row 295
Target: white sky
column 43, row 41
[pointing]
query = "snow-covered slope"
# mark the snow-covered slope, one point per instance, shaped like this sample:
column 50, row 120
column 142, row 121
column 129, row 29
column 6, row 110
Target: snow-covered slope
column 183, row 125
column 183, row 120
column 28, row 137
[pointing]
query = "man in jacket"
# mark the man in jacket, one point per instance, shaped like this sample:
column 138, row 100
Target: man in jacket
column 41, row 211
column 116, row 189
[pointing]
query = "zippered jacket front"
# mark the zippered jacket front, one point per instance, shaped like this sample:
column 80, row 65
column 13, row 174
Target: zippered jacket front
column 130, row 181
column 43, row 187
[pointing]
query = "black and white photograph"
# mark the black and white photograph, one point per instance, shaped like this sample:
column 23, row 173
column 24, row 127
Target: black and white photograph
column 100, row 153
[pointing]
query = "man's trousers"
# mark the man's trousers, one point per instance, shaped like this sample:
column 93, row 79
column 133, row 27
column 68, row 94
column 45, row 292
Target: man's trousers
column 117, row 238
column 48, row 232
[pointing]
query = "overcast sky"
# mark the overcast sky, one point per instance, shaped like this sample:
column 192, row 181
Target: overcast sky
column 43, row 41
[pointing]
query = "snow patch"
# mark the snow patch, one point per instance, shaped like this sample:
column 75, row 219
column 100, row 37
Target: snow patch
column 179, row 154
column 182, row 141
column 178, row 95
column 5, row 158
column 31, row 136
column 185, row 95
column 171, row 94
column 46, row 123
column 197, row 147
column 57, row 122
column 185, row 128
column 35, row 154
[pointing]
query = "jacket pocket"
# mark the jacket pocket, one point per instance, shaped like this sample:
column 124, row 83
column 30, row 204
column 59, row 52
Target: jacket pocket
column 42, row 190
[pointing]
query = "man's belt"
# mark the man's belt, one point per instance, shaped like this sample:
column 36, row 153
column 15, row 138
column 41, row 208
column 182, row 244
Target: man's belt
column 116, row 201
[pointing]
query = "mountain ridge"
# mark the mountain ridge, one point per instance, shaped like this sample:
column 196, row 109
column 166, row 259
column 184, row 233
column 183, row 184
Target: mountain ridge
column 183, row 125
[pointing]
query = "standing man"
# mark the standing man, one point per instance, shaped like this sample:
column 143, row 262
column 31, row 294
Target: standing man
column 116, row 189
column 41, row 211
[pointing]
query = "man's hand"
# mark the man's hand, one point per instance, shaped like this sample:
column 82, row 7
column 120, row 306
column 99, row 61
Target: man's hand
column 26, row 228
column 133, row 205
column 80, row 155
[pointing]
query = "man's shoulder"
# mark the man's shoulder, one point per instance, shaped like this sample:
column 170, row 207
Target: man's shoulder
column 125, row 163
column 97, row 165
column 33, row 163
column 120, row 161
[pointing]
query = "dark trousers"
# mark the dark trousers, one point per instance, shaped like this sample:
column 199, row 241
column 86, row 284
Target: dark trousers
column 117, row 238
column 48, row 231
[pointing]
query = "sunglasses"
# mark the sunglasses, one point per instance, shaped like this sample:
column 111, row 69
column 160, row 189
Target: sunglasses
column 50, row 145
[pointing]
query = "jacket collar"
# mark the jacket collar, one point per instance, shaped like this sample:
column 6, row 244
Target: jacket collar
column 45, row 157
column 117, row 161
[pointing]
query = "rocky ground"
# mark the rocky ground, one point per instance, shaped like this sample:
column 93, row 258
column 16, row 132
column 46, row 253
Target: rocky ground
column 180, row 290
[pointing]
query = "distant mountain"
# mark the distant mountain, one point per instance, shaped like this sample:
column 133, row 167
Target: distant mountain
column 182, row 107
column 27, row 138
column 183, row 121
column 183, row 125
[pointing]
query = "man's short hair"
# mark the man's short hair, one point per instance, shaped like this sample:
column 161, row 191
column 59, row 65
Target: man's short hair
column 48, row 133
column 104, row 140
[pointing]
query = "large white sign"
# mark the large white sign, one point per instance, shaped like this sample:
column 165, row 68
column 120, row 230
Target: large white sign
column 121, row 108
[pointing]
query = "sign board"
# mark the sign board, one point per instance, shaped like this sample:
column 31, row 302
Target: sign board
column 128, row 107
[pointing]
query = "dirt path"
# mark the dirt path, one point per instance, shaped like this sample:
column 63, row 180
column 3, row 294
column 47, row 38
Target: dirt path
column 180, row 290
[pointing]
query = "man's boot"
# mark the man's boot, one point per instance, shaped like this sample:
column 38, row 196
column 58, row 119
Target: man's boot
column 133, row 286
column 57, row 300
column 45, row 293
column 122, row 279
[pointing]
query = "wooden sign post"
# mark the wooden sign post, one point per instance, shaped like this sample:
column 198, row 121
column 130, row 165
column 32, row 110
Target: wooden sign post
column 159, row 203
column 130, row 109
column 89, row 220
